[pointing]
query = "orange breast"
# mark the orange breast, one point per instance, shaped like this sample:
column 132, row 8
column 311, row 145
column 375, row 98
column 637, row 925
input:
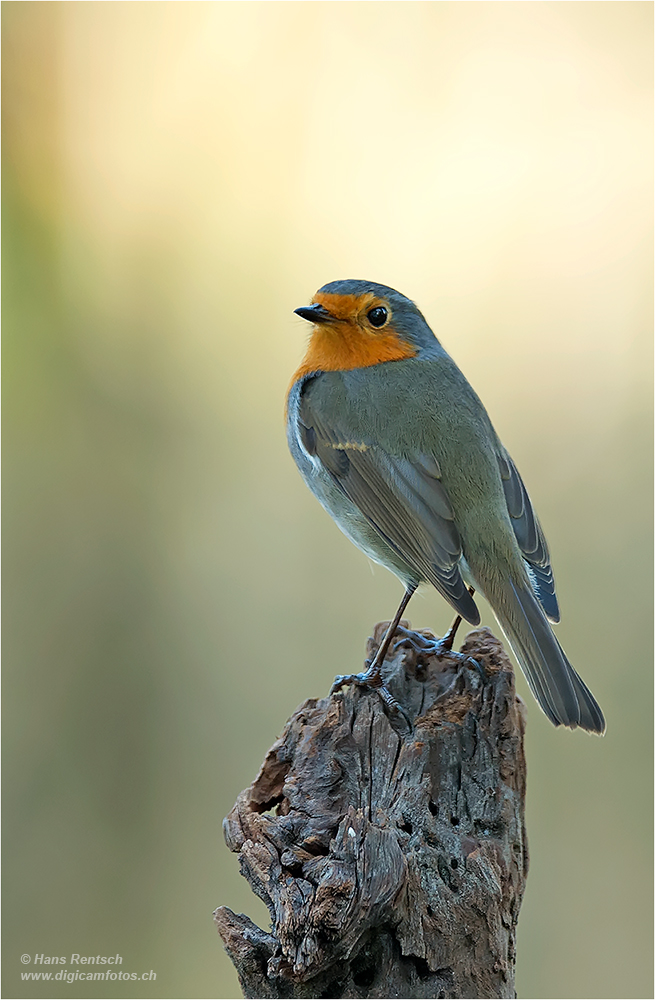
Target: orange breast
column 343, row 346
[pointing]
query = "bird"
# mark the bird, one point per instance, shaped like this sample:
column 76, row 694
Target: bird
column 398, row 448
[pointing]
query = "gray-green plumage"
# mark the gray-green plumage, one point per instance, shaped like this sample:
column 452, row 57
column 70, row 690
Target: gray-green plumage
column 403, row 455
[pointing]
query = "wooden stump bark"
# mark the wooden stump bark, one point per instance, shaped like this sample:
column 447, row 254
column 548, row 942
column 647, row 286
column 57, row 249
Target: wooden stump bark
column 392, row 861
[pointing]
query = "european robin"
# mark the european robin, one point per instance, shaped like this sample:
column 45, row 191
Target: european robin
column 398, row 448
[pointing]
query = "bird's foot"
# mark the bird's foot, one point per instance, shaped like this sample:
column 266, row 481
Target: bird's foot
column 425, row 647
column 372, row 678
column 367, row 678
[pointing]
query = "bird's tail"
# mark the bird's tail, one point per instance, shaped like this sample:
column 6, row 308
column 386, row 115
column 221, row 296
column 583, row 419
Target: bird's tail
column 560, row 691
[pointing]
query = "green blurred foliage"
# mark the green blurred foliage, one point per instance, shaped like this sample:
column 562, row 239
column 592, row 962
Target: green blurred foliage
column 177, row 178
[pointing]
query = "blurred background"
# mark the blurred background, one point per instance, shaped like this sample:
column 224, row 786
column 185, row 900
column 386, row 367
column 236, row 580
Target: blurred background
column 178, row 177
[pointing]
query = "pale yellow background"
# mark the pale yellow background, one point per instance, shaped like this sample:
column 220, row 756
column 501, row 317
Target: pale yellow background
column 178, row 177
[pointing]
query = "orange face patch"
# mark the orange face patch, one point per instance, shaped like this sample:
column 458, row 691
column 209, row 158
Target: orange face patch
column 348, row 307
column 349, row 341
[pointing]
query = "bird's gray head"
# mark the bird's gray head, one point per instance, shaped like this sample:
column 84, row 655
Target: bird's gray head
column 370, row 309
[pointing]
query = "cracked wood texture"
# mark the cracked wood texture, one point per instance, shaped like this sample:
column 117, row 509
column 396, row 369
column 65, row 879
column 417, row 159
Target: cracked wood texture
column 392, row 861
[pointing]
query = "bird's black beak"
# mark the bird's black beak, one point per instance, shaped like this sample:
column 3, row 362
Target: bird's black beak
column 315, row 313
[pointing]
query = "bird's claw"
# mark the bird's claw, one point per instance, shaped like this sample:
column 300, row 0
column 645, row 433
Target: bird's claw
column 425, row 647
column 364, row 679
column 368, row 679
column 421, row 644
column 476, row 665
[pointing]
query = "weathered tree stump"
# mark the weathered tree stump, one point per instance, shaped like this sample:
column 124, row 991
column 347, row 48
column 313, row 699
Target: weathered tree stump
column 393, row 862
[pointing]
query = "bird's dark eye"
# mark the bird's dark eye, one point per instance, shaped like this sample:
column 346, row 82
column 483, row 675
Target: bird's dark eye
column 377, row 316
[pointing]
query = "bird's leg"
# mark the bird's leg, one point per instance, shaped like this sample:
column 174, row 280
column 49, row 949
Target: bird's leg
column 372, row 676
column 449, row 638
column 437, row 647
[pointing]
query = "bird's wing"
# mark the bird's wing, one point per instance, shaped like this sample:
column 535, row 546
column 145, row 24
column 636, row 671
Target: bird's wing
column 403, row 500
column 529, row 535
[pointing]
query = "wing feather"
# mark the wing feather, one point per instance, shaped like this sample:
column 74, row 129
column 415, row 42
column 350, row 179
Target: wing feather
column 403, row 500
column 529, row 536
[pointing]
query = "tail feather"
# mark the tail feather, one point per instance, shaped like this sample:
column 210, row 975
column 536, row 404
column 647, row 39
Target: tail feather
column 559, row 690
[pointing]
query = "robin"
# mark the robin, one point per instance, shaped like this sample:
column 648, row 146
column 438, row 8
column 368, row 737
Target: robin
column 397, row 447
